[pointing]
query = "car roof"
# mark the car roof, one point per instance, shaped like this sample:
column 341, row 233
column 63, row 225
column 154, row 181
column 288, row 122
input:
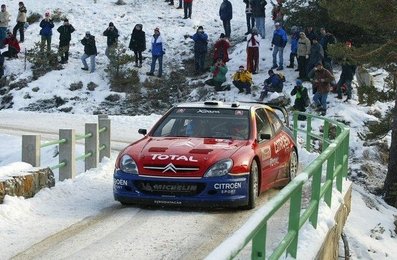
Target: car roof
column 223, row 105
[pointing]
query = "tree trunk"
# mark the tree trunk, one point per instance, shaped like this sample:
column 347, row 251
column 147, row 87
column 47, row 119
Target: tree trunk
column 390, row 186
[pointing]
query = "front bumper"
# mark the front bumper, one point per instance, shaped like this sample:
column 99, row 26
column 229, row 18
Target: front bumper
column 224, row 191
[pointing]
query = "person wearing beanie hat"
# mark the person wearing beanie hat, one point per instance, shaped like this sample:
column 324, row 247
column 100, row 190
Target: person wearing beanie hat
column 4, row 19
column 46, row 31
column 253, row 43
column 112, row 35
column 200, row 39
column 90, row 51
column 138, row 44
column 303, row 52
column 21, row 20
column 221, row 48
column 65, row 36
column 302, row 99
column 157, row 53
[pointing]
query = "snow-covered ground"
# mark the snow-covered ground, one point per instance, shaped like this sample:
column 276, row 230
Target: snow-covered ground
column 370, row 228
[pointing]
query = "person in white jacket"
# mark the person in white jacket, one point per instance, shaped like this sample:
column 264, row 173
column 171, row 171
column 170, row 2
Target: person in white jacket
column 4, row 20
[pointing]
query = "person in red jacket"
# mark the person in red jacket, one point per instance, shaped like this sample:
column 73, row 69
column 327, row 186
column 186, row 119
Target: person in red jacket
column 220, row 49
column 13, row 46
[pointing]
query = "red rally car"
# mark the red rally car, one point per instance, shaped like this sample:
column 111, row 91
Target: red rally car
column 208, row 154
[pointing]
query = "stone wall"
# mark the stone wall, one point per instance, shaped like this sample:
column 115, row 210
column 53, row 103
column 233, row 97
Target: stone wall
column 330, row 247
column 27, row 184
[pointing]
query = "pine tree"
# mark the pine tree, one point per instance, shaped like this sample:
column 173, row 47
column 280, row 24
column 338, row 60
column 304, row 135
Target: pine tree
column 372, row 17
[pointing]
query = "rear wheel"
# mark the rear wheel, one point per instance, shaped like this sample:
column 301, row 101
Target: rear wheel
column 293, row 165
column 253, row 185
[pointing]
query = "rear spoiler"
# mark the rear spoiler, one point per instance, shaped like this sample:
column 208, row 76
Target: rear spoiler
column 282, row 109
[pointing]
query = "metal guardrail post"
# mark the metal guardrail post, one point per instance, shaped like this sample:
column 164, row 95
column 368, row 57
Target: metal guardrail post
column 104, row 137
column 67, row 154
column 31, row 149
column 91, row 146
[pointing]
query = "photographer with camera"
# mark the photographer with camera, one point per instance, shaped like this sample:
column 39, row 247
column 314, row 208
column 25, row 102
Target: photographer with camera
column 218, row 71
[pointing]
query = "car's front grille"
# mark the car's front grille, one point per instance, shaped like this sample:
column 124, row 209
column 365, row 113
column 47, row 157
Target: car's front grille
column 171, row 168
column 169, row 188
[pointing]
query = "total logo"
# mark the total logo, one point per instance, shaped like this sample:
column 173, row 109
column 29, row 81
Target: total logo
column 173, row 157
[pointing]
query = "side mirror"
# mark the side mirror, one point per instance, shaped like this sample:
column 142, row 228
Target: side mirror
column 265, row 137
column 142, row 131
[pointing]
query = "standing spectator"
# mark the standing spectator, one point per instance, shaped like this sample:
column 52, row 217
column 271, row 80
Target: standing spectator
column 157, row 53
column 321, row 79
column 316, row 55
column 277, row 12
column 302, row 98
column 221, row 47
column 4, row 19
column 242, row 80
column 112, row 35
column 65, row 35
column 258, row 12
column 278, row 43
column 200, row 39
column 348, row 71
column 253, row 42
column 46, row 31
column 303, row 53
column 138, row 44
column 273, row 83
column 218, row 71
column 326, row 39
column 21, row 20
column 13, row 46
column 90, row 51
column 180, row 6
column 249, row 17
column 310, row 34
column 226, row 15
column 294, row 46
column 187, row 8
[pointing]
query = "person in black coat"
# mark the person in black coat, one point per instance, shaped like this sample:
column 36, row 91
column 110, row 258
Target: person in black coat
column 226, row 14
column 112, row 35
column 348, row 71
column 89, row 51
column 65, row 35
column 138, row 44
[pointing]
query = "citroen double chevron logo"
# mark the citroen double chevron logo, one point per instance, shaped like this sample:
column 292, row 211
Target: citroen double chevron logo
column 170, row 167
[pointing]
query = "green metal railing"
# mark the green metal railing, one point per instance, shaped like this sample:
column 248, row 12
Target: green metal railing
column 334, row 156
column 78, row 137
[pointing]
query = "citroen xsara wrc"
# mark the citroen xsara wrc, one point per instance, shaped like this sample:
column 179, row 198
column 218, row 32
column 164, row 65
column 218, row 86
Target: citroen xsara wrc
column 208, row 154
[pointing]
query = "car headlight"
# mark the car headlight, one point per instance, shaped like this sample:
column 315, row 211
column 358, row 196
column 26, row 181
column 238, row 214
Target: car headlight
column 128, row 165
column 220, row 168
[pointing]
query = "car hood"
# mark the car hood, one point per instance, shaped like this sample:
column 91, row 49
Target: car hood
column 184, row 157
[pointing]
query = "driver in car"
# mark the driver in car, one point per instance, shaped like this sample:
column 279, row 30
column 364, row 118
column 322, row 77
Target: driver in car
column 239, row 130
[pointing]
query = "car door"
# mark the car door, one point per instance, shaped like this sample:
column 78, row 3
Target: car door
column 280, row 145
column 266, row 148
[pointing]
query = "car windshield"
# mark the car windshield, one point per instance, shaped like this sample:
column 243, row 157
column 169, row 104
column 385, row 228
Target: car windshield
column 205, row 123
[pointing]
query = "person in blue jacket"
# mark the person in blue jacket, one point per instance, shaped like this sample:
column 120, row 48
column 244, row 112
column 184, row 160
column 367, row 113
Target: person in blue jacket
column 272, row 84
column 294, row 46
column 200, row 39
column 278, row 43
column 46, row 31
column 226, row 15
column 157, row 53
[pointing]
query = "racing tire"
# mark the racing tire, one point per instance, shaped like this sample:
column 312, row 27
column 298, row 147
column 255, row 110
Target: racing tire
column 293, row 165
column 253, row 190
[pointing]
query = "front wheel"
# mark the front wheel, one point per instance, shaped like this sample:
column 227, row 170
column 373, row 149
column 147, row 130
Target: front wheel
column 293, row 165
column 253, row 186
